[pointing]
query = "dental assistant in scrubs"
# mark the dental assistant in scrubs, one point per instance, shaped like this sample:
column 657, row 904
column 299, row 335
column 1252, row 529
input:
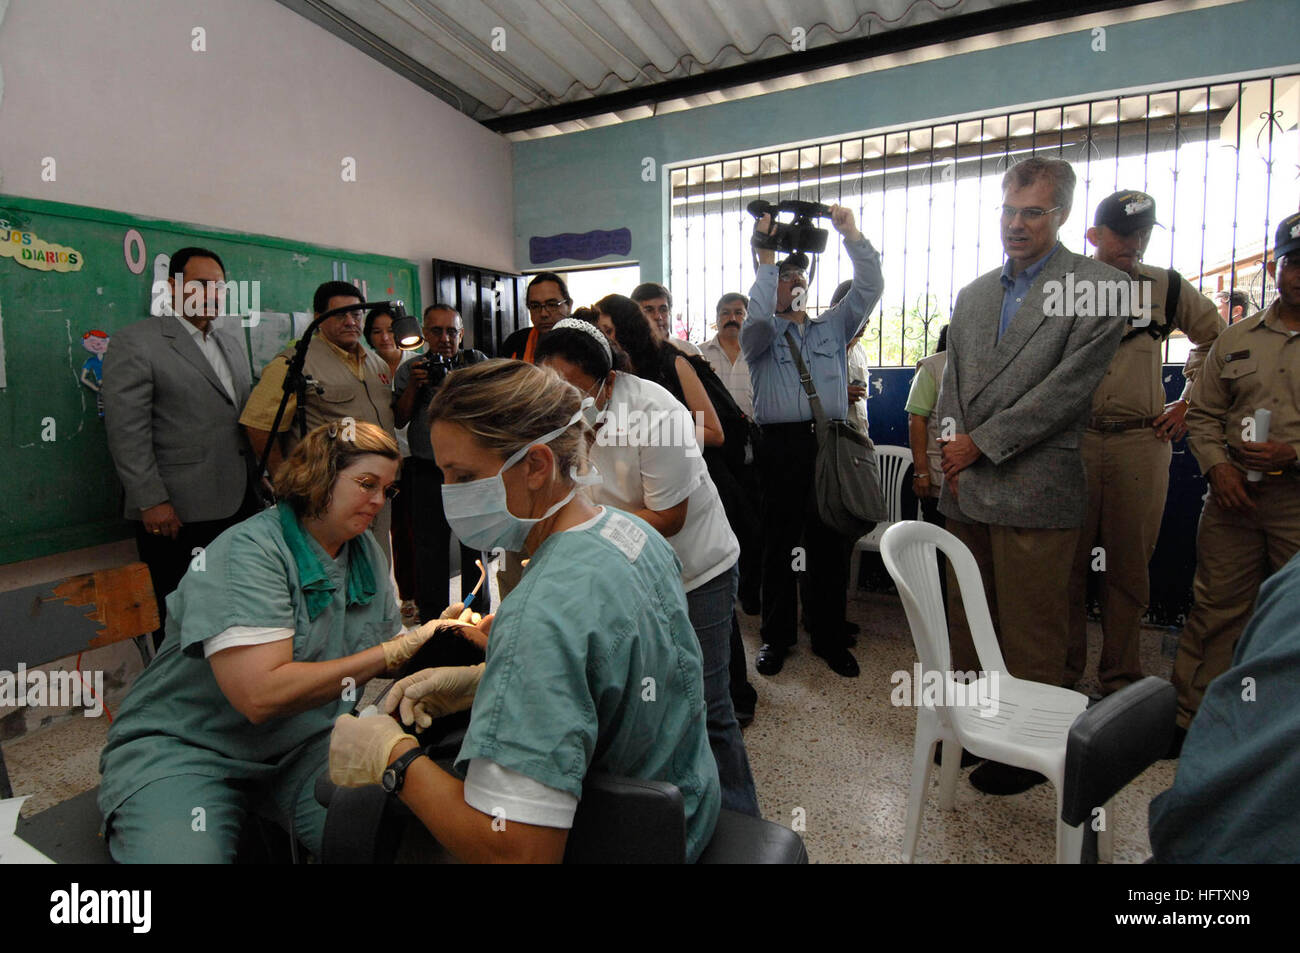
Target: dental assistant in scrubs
column 648, row 456
column 271, row 635
column 592, row 664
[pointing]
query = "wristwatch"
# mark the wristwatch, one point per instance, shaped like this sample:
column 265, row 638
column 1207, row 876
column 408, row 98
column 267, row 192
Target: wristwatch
column 394, row 775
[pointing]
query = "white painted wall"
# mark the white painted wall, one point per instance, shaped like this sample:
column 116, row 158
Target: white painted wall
column 248, row 135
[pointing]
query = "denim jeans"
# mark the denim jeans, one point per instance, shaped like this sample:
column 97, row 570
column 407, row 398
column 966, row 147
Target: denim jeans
column 711, row 607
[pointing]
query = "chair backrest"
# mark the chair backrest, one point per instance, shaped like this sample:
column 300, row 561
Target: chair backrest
column 627, row 821
column 1113, row 742
column 893, row 463
column 908, row 550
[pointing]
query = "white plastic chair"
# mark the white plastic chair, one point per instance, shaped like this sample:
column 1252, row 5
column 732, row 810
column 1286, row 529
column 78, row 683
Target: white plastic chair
column 893, row 463
column 1033, row 720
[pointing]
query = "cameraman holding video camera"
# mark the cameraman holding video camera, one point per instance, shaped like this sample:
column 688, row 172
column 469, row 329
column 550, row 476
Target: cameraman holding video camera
column 414, row 386
column 781, row 407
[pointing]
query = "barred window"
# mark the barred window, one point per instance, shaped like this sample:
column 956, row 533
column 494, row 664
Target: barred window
column 1220, row 160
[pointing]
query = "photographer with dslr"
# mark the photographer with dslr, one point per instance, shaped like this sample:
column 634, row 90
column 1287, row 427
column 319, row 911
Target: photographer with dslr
column 781, row 407
column 416, row 383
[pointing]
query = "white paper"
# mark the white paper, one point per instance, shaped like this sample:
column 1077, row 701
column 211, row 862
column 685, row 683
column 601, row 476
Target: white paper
column 13, row 849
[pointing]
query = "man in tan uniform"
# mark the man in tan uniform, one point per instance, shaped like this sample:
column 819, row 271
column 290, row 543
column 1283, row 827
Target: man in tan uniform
column 1248, row 529
column 345, row 379
column 1127, row 445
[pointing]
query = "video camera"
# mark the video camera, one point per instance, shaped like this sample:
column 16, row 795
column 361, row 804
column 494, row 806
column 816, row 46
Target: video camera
column 798, row 235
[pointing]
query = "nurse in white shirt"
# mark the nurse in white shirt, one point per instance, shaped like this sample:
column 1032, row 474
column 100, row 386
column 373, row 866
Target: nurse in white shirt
column 647, row 454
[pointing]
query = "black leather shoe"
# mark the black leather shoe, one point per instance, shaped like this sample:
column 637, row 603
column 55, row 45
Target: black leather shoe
column 770, row 659
column 967, row 759
column 1175, row 743
column 840, row 662
column 751, row 605
column 743, row 701
column 994, row 777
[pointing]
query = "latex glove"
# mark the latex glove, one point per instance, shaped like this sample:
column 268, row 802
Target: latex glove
column 402, row 647
column 459, row 613
column 433, row 693
column 361, row 749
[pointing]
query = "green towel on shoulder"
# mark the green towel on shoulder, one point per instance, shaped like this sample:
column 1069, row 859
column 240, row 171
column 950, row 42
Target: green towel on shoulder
column 312, row 577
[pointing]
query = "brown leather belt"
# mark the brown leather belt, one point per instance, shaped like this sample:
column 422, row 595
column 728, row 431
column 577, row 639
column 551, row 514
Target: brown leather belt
column 1118, row 424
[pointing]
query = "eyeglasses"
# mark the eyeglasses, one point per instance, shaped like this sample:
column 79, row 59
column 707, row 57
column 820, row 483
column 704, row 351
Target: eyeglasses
column 441, row 332
column 356, row 315
column 792, row 275
column 551, row 305
column 1009, row 213
column 369, row 488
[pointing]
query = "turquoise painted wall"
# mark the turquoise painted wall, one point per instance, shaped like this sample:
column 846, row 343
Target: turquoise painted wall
column 592, row 180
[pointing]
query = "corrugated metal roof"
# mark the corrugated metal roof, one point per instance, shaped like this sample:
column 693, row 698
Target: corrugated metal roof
column 499, row 58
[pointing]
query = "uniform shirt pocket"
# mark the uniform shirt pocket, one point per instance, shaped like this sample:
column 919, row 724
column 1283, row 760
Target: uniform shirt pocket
column 1235, row 370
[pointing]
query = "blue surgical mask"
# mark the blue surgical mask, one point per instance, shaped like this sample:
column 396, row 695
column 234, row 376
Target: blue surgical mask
column 477, row 510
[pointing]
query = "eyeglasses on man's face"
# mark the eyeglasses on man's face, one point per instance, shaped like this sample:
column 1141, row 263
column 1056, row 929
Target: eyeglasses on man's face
column 441, row 332
column 1030, row 215
column 370, row 487
column 551, row 304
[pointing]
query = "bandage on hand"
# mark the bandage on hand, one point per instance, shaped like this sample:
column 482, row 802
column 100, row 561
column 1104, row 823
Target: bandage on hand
column 433, row 693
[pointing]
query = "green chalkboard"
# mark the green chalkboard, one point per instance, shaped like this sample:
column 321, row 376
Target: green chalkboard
column 60, row 489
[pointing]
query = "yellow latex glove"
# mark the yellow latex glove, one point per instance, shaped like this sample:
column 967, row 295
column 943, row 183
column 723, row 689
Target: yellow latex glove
column 459, row 613
column 433, row 692
column 402, row 647
column 361, row 749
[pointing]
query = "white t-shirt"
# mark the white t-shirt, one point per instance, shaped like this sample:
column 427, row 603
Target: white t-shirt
column 646, row 451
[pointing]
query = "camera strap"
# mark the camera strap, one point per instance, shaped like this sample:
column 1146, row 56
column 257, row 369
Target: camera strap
column 805, row 378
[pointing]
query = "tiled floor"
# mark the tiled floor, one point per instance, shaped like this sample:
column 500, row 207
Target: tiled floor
column 830, row 752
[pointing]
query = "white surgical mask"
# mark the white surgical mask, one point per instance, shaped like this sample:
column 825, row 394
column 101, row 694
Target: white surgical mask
column 589, row 411
column 478, row 513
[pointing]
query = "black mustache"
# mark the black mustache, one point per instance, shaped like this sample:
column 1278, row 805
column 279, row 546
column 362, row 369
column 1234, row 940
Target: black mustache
column 732, row 324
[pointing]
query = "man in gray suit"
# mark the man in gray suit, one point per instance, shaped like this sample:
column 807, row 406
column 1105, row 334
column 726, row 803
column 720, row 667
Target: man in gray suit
column 1026, row 349
column 173, row 388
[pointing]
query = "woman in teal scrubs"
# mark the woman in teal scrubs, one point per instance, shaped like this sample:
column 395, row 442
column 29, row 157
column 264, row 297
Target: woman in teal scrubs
column 271, row 635
column 592, row 663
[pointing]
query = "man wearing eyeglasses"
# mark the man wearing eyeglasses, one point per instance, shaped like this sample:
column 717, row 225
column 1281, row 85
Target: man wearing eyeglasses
column 417, row 382
column 548, row 301
column 344, row 379
column 1015, row 398
column 793, row 533
column 656, row 303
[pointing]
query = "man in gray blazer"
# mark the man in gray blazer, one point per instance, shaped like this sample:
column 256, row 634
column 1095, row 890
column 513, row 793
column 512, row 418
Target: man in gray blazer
column 173, row 387
column 1026, row 349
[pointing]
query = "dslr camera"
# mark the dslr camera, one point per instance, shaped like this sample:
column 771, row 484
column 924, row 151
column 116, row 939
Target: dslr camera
column 799, row 234
column 437, row 366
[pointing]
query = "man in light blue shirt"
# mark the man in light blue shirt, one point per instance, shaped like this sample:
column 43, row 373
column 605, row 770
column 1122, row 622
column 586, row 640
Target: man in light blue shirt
column 1015, row 285
column 789, row 447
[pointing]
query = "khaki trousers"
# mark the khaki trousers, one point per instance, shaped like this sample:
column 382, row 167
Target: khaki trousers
column 1026, row 575
column 1128, row 478
column 1235, row 553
